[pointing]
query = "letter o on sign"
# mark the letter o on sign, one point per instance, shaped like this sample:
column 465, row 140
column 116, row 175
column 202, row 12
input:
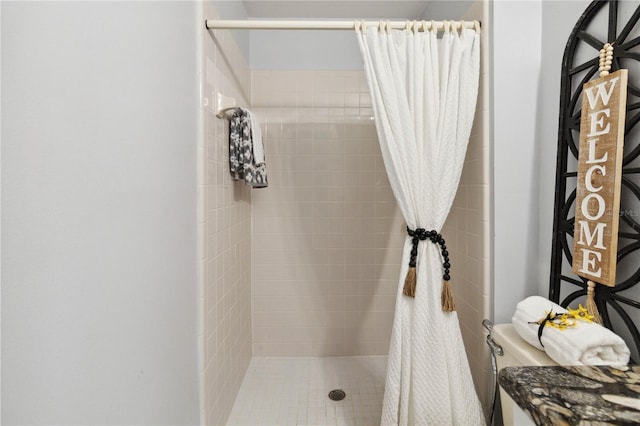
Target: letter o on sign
column 585, row 206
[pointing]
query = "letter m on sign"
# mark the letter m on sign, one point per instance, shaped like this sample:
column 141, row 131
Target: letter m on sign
column 595, row 235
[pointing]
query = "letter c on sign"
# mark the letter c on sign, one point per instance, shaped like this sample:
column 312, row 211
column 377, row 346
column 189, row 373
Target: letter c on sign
column 587, row 177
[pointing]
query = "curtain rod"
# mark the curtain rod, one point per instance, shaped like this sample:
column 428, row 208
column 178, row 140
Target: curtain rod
column 213, row 24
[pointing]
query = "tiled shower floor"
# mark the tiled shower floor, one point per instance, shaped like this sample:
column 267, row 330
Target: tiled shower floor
column 293, row 391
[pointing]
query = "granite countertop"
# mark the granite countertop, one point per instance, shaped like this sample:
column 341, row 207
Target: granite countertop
column 575, row 395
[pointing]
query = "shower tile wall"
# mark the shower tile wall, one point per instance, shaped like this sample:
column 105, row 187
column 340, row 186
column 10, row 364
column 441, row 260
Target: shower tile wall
column 468, row 230
column 326, row 232
column 224, row 221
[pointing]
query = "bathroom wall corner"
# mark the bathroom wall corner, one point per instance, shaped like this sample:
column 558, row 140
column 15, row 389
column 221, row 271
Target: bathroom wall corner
column 224, row 229
column 469, row 229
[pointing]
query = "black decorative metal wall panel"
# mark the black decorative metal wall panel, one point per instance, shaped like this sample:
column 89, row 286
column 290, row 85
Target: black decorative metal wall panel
column 617, row 22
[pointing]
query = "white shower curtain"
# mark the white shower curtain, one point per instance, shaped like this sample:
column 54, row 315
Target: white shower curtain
column 424, row 92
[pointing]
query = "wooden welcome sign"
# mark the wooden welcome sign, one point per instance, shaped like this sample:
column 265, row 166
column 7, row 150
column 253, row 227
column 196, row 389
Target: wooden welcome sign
column 595, row 236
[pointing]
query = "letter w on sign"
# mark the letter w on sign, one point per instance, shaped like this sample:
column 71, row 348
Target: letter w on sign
column 595, row 237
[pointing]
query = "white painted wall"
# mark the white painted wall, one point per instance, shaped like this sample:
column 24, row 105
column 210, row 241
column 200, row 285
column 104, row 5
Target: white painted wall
column 234, row 9
column 526, row 70
column 304, row 50
column 99, row 113
column 559, row 18
column 329, row 50
column 516, row 88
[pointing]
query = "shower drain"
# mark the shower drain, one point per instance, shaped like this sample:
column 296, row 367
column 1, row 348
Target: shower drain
column 337, row 395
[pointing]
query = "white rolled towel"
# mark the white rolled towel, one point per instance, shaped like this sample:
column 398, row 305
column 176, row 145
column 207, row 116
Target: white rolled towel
column 586, row 343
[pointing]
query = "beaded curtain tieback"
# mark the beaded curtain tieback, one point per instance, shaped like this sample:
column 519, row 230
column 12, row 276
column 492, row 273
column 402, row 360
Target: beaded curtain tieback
column 417, row 235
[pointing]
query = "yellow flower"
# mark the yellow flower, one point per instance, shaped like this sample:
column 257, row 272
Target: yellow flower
column 581, row 313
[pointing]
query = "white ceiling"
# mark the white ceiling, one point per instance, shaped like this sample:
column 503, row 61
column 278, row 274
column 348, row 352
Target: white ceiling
column 356, row 9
